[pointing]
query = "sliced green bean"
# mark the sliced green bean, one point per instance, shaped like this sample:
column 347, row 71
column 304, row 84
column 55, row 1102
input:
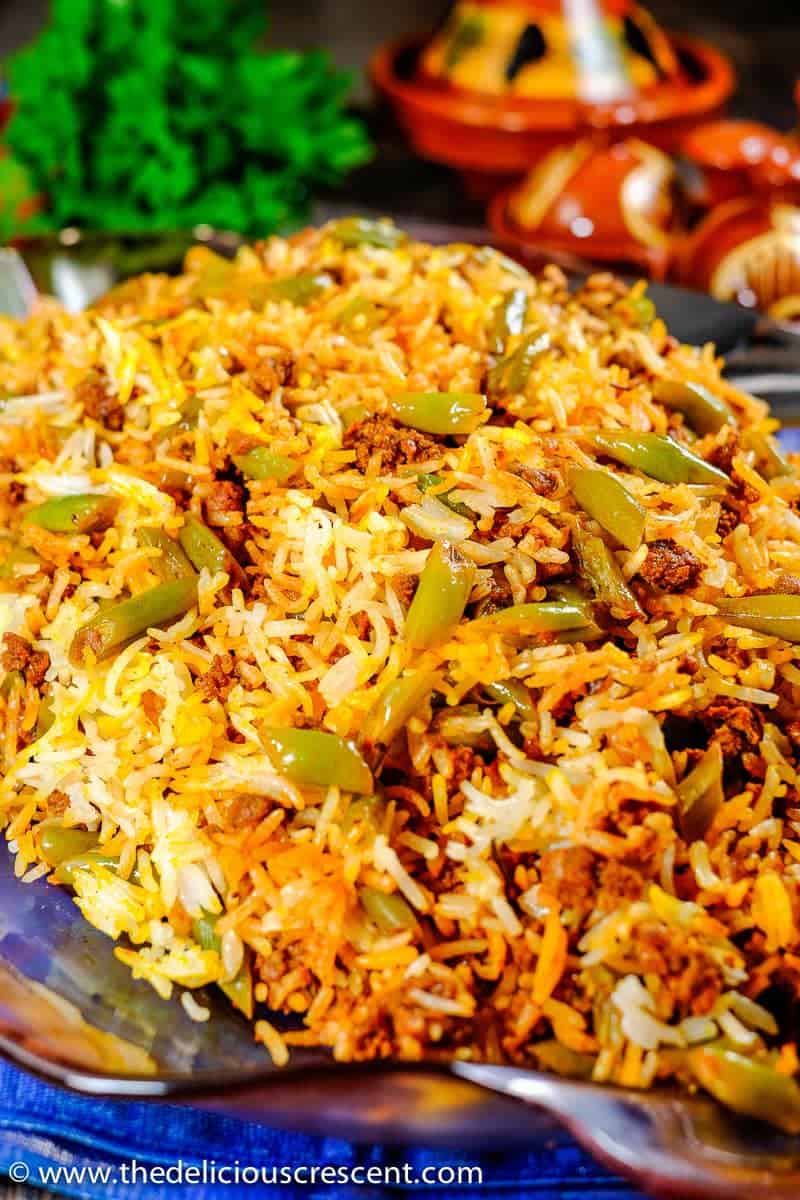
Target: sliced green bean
column 441, row 596
column 543, row 616
column 700, row 794
column 172, row 562
column 398, row 702
column 747, row 1086
column 74, row 514
column 12, row 681
column 774, row 614
column 426, row 481
column 299, row 290
column 770, row 461
column 121, row 623
column 439, row 412
column 601, row 571
column 555, row 1056
column 359, row 315
column 390, row 912
column 656, row 455
column 205, row 550
column 68, row 868
column 512, row 691
column 45, row 717
column 705, row 412
column 508, row 319
column 58, row 844
column 19, row 557
column 362, row 231
column 239, row 990
column 610, row 504
column 314, row 758
column 263, row 463
column 511, row 373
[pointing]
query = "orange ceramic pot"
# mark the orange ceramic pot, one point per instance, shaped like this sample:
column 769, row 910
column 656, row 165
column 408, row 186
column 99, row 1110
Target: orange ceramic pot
column 502, row 136
column 748, row 250
column 608, row 203
column 734, row 158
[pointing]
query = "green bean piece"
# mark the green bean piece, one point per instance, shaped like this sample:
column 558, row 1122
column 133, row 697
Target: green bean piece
column 700, row 794
column 543, row 616
column 656, row 455
column 172, row 563
column 263, row 463
column 511, row 373
column 213, row 276
column 512, row 691
column 122, row 622
column 508, row 320
column 641, row 309
column 705, row 412
column 239, row 990
column 359, row 315
column 555, row 1056
column 774, row 614
column 610, row 504
column 361, row 231
column 441, row 596
column 487, row 254
column 19, row 557
column 314, row 758
column 747, row 1086
column 58, row 844
column 299, row 290
column 426, row 481
column 74, row 514
column 601, row 571
column 68, row 868
column 390, row 912
column 397, row 703
column 11, row 682
column 204, row 549
column 439, row 412
column 45, row 717
column 770, row 461
column 353, row 414
column 189, row 415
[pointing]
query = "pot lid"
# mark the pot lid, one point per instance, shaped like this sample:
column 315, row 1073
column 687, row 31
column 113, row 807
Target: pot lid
column 595, row 51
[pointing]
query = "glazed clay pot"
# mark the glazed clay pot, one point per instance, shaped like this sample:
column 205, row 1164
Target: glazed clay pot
column 610, row 203
column 474, row 121
column 748, row 250
column 736, row 158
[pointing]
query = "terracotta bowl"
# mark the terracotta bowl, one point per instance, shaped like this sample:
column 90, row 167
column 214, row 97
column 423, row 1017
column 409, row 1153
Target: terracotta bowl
column 501, row 137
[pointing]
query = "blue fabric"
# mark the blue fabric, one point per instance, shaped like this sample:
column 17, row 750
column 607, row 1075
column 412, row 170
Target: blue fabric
column 42, row 1126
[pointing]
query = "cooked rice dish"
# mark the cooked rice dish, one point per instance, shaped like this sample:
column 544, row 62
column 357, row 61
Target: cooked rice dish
column 410, row 647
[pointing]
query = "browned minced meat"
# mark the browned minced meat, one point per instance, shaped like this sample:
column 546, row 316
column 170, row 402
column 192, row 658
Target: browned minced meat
column 729, row 518
column 618, row 885
column 246, row 809
column 723, row 454
column 395, row 444
column 98, row 403
column 216, row 683
column 736, row 726
column 567, row 874
column 271, row 372
column 543, row 482
column 57, row 803
column 404, row 587
column 693, row 978
column 153, row 706
column 670, row 566
column 19, row 655
column 225, row 497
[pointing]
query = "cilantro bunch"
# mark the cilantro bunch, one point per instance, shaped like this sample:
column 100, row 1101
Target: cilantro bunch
column 162, row 114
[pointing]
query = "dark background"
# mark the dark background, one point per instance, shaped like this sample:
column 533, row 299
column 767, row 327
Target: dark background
column 762, row 36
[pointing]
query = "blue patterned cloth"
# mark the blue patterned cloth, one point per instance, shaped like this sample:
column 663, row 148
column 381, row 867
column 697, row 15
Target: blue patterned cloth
column 42, row 1126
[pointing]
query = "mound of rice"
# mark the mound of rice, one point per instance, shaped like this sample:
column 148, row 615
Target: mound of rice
column 528, row 878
